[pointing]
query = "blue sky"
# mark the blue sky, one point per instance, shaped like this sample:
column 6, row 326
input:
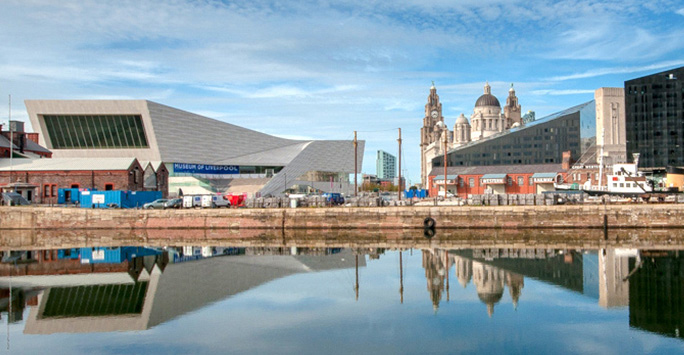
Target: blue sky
column 323, row 69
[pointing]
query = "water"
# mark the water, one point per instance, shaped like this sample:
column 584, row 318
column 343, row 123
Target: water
column 331, row 293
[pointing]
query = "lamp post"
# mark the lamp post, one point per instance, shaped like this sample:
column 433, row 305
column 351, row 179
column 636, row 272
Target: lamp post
column 441, row 126
column 445, row 162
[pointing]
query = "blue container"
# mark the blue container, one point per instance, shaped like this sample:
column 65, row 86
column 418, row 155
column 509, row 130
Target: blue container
column 69, row 254
column 72, row 195
column 117, row 198
column 106, row 255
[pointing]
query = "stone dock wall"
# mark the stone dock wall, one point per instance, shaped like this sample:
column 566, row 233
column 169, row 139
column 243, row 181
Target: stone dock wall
column 370, row 218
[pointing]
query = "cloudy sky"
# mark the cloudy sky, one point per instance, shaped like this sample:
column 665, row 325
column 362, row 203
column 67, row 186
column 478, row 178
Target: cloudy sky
column 324, row 69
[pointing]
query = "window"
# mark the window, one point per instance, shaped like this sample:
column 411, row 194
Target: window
column 54, row 190
column 46, row 190
column 471, row 182
column 95, row 131
column 521, row 181
column 109, row 187
column 461, row 182
column 75, row 186
column 509, row 181
column 530, row 182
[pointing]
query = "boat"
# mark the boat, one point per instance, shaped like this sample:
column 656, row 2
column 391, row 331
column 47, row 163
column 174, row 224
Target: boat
column 625, row 180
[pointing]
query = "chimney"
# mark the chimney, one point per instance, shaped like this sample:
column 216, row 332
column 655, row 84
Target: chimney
column 567, row 160
column 17, row 126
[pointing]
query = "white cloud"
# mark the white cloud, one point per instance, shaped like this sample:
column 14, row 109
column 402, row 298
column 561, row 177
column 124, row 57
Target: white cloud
column 680, row 11
column 347, row 65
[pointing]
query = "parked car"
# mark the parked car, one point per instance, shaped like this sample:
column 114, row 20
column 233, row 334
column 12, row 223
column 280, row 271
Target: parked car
column 440, row 194
column 334, row 198
column 174, row 203
column 156, row 204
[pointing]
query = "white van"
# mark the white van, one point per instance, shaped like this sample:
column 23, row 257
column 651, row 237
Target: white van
column 220, row 201
column 190, row 201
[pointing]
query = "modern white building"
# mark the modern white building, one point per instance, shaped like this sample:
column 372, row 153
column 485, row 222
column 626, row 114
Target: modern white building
column 203, row 155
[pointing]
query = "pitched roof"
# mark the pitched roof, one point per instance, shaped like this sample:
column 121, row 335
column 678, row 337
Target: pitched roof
column 66, row 164
column 498, row 169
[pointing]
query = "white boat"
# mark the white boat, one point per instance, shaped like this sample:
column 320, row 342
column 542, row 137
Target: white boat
column 625, row 180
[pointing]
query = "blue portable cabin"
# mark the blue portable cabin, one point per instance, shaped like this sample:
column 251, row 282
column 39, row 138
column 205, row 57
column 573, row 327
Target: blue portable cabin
column 117, row 198
column 71, row 195
column 115, row 255
column 422, row 193
column 70, row 254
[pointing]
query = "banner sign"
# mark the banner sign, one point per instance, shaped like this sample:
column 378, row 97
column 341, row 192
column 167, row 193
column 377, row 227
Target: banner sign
column 205, row 169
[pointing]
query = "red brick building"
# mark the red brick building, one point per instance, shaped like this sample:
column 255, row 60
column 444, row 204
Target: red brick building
column 501, row 179
column 38, row 180
column 25, row 145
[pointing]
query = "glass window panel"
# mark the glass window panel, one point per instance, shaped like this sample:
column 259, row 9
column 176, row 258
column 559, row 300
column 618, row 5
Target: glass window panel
column 68, row 136
column 59, row 132
column 95, row 131
column 88, row 128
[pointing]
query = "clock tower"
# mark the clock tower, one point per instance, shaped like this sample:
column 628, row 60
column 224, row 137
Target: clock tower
column 428, row 135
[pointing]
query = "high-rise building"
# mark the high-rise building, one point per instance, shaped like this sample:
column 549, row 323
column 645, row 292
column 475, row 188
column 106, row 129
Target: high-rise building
column 386, row 165
column 655, row 119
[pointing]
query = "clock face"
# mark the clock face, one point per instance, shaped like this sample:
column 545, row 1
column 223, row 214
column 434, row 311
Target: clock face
column 434, row 114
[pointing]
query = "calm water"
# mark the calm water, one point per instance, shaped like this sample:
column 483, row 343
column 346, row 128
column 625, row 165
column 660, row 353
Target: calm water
column 266, row 298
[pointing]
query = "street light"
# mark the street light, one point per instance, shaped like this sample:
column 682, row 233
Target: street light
column 443, row 127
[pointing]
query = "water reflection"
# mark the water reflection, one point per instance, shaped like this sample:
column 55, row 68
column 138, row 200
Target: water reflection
column 134, row 288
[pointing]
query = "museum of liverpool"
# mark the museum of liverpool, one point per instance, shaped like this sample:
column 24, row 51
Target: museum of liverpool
column 202, row 155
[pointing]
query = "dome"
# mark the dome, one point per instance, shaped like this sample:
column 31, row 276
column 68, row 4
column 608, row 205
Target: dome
column 487, row 100
column 462, row 120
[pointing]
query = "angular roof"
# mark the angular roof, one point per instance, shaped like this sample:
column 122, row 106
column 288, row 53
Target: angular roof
column 544, row 119
column 181, row 134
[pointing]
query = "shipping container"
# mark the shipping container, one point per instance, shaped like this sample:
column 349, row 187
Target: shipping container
column 117, row 198
column 70, row 196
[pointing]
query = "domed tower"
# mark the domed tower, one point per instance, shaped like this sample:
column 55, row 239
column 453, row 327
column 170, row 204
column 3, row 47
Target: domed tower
column 489, row 283
column 486, row 119
column 461, row 131
column 512, row 109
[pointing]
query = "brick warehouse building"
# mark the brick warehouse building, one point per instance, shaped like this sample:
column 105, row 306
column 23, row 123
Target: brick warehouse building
column 499, row 179
column 24, row 145
column 39, row 180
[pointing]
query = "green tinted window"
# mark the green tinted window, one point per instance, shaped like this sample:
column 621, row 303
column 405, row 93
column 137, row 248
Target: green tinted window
column 95, row 131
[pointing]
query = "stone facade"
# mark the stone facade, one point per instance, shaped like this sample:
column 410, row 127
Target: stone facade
column 486, row 120
column 610, row 125
column 575, row 217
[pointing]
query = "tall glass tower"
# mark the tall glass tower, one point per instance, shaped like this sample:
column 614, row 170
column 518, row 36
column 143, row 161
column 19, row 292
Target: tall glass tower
column 386, row 165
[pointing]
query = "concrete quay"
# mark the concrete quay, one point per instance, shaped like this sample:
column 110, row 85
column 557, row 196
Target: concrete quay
column 367, row 218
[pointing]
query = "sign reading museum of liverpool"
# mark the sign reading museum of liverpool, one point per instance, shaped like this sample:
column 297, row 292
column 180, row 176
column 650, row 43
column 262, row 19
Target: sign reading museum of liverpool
column 205, row 169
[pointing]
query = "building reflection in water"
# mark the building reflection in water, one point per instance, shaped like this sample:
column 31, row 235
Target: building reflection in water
column 134, row 288
column 490, row 281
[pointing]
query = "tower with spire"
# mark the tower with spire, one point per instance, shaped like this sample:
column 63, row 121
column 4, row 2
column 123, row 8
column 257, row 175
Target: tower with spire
column 429, row 136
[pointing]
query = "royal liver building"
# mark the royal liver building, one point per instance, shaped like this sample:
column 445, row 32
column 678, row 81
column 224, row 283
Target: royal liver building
column 487, row 119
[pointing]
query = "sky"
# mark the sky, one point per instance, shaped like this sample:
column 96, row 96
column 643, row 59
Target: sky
column 324, row 69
